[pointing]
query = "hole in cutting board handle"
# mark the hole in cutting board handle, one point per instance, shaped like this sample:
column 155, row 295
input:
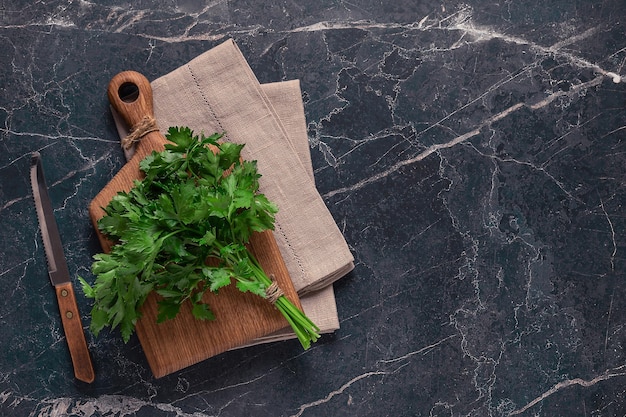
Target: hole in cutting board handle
column 128, row 92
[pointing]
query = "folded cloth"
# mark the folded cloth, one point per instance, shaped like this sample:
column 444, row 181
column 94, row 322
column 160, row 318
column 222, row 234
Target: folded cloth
column 219, row 93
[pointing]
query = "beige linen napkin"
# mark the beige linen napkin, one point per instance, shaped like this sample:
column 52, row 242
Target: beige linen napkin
column 219, row 93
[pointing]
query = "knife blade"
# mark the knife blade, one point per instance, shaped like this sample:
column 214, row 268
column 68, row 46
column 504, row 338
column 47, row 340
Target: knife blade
column 59, row 274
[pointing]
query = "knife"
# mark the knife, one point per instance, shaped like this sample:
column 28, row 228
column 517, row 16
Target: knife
column 59, row 274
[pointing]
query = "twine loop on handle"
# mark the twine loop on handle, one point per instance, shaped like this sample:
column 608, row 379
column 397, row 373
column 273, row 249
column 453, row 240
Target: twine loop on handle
column 273, row 292
column 146, row 125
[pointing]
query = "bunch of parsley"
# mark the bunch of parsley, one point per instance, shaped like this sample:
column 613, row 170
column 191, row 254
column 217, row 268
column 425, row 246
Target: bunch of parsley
column 198, row 201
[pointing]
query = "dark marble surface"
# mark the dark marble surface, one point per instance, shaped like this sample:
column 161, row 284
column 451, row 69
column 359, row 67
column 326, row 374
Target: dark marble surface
column 473, row 154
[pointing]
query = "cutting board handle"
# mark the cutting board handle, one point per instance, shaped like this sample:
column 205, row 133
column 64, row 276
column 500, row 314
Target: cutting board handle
column 130, row 94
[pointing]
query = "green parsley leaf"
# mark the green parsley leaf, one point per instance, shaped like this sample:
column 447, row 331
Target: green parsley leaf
column 202, row 312
column 217, row 277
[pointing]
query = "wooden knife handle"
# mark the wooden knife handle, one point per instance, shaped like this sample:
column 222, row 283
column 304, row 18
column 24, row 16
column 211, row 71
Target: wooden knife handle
column 130, row 94
column 73, row 328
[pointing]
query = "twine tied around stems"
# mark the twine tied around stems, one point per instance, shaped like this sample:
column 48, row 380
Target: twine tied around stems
column 273, row 292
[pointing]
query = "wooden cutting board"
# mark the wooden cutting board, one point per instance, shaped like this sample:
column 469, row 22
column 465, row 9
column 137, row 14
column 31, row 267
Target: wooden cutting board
column 240, row 318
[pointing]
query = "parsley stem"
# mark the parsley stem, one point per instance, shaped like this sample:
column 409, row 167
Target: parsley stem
column 303, row 327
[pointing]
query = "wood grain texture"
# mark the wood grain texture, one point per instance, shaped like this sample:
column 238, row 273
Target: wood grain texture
column 74, row 333
column 184, row 341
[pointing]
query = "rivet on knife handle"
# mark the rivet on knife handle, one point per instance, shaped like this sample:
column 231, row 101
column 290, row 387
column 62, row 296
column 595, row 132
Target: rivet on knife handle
column 59, row 275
